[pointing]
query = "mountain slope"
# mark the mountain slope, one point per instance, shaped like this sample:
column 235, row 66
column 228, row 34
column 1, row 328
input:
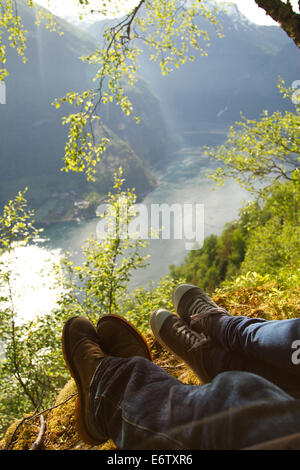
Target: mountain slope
column 32, row 138
column 239, row 74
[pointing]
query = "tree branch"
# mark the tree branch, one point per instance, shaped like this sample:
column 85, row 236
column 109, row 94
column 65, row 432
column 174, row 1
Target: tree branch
column 14, row 345
column 35, row 414
column 38, row 442
column 283, row 14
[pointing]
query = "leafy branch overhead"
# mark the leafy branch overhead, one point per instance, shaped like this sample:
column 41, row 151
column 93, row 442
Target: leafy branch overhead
column 13, row 32
column 168, row 28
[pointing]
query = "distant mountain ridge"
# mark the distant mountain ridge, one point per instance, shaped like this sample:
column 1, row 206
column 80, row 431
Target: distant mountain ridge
column 239, row 74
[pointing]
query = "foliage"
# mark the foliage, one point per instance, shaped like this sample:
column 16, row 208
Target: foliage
column 266, row 237
column 168, row 29
column 260, row 150
column 274, row 230
column 219, row 258
column 140, row 303
column 13, row 33
column 16, row 223
column 269, row 296
column 96, row 287
column 31, row 368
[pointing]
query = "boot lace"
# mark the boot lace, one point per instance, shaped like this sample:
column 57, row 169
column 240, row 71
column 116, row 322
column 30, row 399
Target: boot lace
column 204, row 307
column 191, row 339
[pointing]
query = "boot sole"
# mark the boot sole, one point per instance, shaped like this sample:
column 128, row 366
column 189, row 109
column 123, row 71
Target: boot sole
column 131, row 328
column 79, row 406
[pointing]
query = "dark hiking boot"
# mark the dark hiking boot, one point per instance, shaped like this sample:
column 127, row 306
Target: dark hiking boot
column 119, row 338
column 82, row 355
column 184, row 343
column 196, row 308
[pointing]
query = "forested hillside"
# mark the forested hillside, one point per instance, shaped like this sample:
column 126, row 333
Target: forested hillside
column 264, row 240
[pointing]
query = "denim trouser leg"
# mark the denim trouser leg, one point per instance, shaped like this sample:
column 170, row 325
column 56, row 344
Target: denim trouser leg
column 217, row 359
column 273, row 342
column 267, row 348
column 140, row 406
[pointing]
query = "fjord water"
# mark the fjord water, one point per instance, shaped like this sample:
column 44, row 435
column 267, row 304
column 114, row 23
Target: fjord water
column 184, row 182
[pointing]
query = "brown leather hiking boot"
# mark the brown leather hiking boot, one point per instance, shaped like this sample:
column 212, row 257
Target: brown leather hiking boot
column 184, row 343
column 196, row 308
column 120, row 338
column 82, row 355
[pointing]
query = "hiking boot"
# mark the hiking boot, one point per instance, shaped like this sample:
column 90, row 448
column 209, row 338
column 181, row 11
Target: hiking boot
column 119, row 338
column 82, row 354
column 185, row 344
column 196, row 308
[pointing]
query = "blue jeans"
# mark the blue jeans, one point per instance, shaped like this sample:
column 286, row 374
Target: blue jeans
column 266, row 348
column 140, row 406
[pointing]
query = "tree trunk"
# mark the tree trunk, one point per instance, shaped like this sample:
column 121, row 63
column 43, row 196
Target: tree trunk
column 284, row 15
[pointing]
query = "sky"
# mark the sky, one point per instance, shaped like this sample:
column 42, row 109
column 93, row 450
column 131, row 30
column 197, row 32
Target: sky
column 249, row 8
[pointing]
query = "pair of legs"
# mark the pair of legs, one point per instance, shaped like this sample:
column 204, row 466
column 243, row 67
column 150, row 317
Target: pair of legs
column 127, row 398
column 266, row 348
